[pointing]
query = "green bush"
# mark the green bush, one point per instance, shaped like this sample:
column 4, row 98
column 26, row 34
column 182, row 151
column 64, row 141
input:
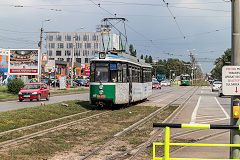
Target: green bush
column 15, row 85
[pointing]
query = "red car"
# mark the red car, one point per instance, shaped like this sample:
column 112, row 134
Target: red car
column 156, row 85
column 34, row 91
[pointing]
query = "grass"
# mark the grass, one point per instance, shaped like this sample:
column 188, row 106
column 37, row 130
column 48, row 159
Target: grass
column 64, row 91
column 28, row 116
column 5, row 95
column 88, row 135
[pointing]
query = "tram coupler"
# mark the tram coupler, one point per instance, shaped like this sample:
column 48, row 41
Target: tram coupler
column 236, row 108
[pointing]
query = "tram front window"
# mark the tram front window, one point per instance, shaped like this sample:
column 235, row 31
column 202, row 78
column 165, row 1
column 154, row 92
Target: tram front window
column 101, row 72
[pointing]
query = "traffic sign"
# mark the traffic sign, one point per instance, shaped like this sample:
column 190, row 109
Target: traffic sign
column 49, row 72
column 231, row 80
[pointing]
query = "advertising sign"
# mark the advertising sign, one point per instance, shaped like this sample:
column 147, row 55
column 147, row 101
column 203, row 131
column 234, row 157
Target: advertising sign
column 231, row 80
column 44, row 58
column 24, row 62
column 50, row 66
column 87, row 69
column 4, row 53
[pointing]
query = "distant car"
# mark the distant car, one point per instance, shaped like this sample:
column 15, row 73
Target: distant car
column 34, row 91
column 220, row 93
column 33, row 80
column 216, row 85
column 156, row 85
column 53, row 81
column 165, row 83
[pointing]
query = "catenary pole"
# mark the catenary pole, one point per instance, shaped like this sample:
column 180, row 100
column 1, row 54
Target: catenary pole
column 73, row 60
column 235, row 59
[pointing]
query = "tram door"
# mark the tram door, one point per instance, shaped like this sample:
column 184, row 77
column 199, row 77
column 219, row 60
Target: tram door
column 130, row 82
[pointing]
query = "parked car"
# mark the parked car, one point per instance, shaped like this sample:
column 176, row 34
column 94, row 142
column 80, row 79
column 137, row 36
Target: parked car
column 34, row 91
column 156, row 85
column 82, row 82
column 216, row 85
column 53, row 81
column 165, row 83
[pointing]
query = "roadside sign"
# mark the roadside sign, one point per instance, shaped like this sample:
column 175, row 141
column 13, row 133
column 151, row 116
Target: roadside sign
column 49, row 72
column 231, row 80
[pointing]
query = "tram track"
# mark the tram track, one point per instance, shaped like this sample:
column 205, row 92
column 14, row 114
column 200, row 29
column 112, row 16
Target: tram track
column 120, row 134
column 15, row 141
column 140, row 148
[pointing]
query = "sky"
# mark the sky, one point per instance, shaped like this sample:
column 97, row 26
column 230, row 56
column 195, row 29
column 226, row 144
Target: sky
column 160, row 28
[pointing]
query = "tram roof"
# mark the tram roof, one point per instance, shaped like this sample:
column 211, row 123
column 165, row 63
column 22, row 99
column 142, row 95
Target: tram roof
column 123, row 57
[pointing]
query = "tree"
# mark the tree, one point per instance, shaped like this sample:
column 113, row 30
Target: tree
column 132, row 51
column 150, row 60
column 141, row 56
column 225, row 59
column 146, row 59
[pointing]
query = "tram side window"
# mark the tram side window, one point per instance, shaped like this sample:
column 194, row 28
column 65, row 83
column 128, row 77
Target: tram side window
column 101, row 73
column 113, row 72
column 133, row 74
column 129, row 73
column 120, row 72
column 124, row 67
column 92, row 72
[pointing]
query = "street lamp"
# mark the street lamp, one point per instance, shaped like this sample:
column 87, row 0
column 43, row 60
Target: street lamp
column 171, row 73
column 40, row 45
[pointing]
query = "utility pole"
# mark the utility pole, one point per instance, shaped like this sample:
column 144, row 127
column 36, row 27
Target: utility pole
column 235, row 58
column 73, row 52
column 40, row 67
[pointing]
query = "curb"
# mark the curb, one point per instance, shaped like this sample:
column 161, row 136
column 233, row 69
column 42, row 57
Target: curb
column 52, row 95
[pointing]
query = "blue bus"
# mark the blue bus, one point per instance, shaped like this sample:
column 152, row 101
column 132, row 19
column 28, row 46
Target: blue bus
column 161, row 77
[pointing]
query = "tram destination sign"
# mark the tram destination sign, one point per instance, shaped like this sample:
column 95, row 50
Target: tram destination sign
column 231, row 80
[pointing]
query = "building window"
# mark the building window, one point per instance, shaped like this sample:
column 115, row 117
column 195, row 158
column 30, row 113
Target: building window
column 95, row 45
column 51, row 45
column 69, row 45
column 50, row 52
column 94, row 37
column 58, row 38
column 85, row 38
column 77, row 53
column 50, row 58
column 77, row 38
column 67, row 53
column 78, row 45
column 93, row 53
column 85, row 53
column 50, row 38
column 86, row 60
column 67, row 38
column 58, row 53
column 78, row 60
column 87, row 45
column 60, row 45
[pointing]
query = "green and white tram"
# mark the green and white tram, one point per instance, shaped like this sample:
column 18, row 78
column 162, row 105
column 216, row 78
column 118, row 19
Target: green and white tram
column 185, row 79
column 118, row 78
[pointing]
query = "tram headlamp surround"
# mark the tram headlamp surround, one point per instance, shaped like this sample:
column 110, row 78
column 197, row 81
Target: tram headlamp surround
column 101, row 92
column 101, row 87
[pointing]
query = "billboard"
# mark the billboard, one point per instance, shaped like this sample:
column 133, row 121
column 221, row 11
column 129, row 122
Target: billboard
column 4, row 53
column 24, row 62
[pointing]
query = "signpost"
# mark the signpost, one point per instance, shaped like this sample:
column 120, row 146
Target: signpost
column 231, row 80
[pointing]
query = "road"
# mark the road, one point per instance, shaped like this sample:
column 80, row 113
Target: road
column 13, row 105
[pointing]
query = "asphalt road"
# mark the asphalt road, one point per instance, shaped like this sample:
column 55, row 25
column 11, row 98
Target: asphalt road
column 13, row 105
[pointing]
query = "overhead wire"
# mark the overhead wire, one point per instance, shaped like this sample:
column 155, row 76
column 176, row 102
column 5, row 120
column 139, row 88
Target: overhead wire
column 174, row 18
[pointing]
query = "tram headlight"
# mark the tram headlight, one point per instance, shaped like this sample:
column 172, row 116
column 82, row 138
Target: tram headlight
column 101, row 87
column 101, row 92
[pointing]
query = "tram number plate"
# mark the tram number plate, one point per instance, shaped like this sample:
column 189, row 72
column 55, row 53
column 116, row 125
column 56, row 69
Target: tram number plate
column 101, row 96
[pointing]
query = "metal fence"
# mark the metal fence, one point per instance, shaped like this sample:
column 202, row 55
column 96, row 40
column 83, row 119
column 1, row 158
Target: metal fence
column 167, row 143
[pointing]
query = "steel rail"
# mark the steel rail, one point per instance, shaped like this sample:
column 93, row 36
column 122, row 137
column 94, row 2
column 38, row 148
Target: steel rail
column 132, row 127
column 159, row 131
column 36, row 134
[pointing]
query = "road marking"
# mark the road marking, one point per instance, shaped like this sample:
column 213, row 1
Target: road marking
column 194, row 114
column 226, row 114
